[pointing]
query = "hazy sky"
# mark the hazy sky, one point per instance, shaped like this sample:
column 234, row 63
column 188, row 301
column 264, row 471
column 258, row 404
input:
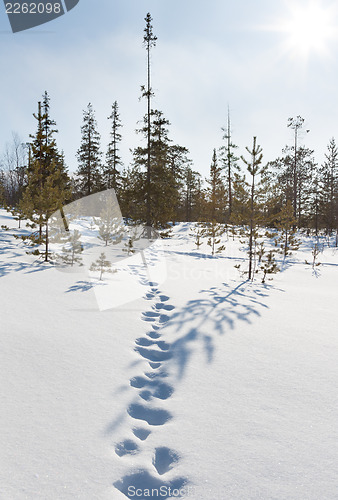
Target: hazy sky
column 268, row 60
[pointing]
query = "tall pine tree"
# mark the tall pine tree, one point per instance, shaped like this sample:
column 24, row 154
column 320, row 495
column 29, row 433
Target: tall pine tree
column 149, row 41
column 231, row 167
column 329, row 188
column 48, row 185
column 89, row 174
column 111, row 170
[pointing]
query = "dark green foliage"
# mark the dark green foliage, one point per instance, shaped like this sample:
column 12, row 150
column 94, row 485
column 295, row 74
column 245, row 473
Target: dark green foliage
column 149, row 41
column 268, row 265
column 328, row 189
column 230, row 165
column 254, row 168
column 285, row 223
column 89, row 156
column 48, row 184
column 197, row 232
column 111, row 170
column 215, row 192
column 214, row 231
column 158, row 198
column 192, row 195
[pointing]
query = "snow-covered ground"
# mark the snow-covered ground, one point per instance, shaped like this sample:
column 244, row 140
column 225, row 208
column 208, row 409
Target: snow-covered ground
column 206, row 386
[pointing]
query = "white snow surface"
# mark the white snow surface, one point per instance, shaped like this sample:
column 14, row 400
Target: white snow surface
column 239, row 402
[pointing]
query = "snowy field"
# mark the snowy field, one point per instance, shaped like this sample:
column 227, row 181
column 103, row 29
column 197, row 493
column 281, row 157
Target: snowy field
column 205, row 386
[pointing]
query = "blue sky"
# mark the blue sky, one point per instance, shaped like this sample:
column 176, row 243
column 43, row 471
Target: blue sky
column 209, row 55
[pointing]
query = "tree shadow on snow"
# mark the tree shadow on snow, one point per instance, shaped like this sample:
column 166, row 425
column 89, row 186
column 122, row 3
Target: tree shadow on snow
column 81, row 286
column 10, row 267
column 219, row 309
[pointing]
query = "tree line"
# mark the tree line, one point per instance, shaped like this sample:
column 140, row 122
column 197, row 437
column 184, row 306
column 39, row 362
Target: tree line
column 161, row 187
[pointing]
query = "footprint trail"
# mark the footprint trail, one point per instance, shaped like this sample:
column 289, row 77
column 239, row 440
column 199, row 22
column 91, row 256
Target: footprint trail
column 151, row 388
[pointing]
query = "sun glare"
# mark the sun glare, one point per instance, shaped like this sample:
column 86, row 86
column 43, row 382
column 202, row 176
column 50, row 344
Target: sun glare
column 309, row 29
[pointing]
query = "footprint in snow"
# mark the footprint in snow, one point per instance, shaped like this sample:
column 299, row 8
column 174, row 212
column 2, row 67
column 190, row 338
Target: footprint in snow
column 153, row 355
column 154, row 366
column 164, row 298
column 126, row 447
column 165, row 307
column 142, row 480
column 153, row 388
column 164, row 318
column 164, row 459
column 144, row 342
column 142, row 434
column 150, row 316
column 153, row 416
column 159, row 374
column 154, row 335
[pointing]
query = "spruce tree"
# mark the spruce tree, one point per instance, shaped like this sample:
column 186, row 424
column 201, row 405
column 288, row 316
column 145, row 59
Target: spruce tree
column 215, row 192
column 111, row 171
column 40, row 205
column 72, row 249
column 197, row 232
column 132, row 193
column 191, row 194
column 89, row 155
column 178, row 161
column 285, row 223
column 48, row 185
column 329, row 188
column 102, row 265
column 110, row 227
column 254, row 168
column 215, row 200
column 165, row 175
column 231, row 167
column 295, row 174
column 268, row 265
column 149, row 41
column 239, row 214
column 214, row 231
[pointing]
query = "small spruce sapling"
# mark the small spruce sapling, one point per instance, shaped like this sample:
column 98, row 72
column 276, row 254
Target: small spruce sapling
column 102, row 265
column 286, row 223
column 197, row 233
column 232, row 231
column 18, row 214
column 260, row 251
column 213, row 231
column 72, row 250
column 268, row 265
column 110, row 227
column 315, row 252
column 132, row 236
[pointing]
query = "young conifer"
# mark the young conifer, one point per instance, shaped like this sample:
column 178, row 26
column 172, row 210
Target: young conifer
column 254, row 168
column 111, row 170
column 102, row 265
column 89, row 155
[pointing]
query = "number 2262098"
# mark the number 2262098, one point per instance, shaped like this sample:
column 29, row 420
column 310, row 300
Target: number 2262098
column 33, row 8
